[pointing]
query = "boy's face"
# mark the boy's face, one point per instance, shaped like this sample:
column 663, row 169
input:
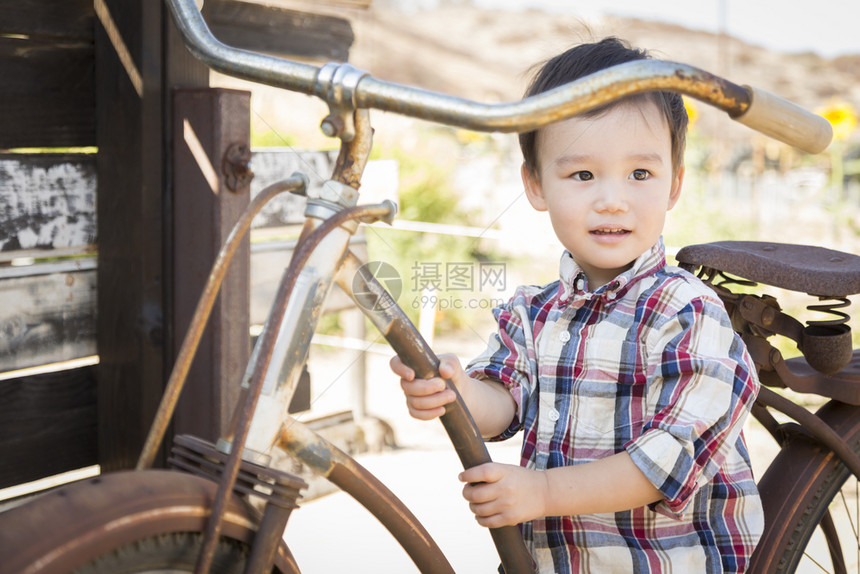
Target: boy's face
column 607, row 183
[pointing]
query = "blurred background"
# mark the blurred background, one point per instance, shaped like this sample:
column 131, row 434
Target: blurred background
column 739, row 185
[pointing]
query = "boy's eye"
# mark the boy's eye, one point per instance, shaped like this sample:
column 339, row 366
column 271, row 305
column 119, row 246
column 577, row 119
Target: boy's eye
column 582, row 175
column 640, row 174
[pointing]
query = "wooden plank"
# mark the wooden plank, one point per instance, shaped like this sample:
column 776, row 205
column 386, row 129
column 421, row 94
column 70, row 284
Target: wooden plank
column 48, row 202
column 279, row 31
column 47, row 95
column 140, row 59
column 47, row 318
column 70, row 19
column 47, row 425
column 130, row 165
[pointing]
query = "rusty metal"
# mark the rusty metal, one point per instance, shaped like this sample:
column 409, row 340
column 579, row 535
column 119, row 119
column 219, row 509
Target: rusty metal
column 378, row 305
column 326, row 460
column 816, row 427
column 769, row 422
column 804, row 268
column 827, row 349
column 264, row 353
column 830, row 367
column 196, row 456
column 279, row 490
column 353, row 156
column 826, row 345
column 269, row 537
column 799, row 376
column 201, row 314
column 831, row 535
column 236, row 167
column 793, row 481
column 106, row 512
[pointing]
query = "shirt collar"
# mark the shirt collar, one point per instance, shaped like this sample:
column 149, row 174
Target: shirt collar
column 574, row 284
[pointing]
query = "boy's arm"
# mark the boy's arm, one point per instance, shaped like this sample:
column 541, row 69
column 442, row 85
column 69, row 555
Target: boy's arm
column 491, row 405
column 503, row 495
column 611, row 484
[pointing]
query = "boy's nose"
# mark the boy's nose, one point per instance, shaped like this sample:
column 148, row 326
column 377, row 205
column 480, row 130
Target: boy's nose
column 611, row 198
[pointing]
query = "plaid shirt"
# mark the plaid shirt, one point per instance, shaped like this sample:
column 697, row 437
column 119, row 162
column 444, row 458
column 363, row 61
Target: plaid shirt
column 648, row 364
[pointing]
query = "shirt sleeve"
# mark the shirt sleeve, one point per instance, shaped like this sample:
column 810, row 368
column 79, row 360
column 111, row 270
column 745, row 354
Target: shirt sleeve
column 509, row 358
column 704, row 383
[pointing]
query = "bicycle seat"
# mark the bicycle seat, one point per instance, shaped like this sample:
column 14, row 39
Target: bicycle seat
column 804, row 268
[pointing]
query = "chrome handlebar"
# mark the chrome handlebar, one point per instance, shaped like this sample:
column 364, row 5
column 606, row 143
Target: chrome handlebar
column 346, row 88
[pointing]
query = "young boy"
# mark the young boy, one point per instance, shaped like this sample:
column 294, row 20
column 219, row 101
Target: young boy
column 625, row 375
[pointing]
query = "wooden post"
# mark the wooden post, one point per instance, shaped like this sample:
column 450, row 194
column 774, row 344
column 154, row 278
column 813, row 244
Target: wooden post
column 134, row 59
column 210, row 126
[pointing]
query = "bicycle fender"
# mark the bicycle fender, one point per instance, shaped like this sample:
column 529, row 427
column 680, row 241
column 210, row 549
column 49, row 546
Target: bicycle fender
column 70, row 526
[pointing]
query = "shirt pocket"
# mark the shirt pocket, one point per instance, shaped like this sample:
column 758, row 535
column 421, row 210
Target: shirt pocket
column 602, row 396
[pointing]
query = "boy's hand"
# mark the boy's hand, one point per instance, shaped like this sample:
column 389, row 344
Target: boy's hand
column 426, row 398
column 504, row 494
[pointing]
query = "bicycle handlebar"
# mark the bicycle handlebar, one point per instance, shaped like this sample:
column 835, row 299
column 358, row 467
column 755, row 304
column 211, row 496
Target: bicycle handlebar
column 344, row 87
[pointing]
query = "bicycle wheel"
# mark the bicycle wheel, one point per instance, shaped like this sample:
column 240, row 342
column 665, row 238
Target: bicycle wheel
column 136, row 521
column 168, row 554
column 805, row 488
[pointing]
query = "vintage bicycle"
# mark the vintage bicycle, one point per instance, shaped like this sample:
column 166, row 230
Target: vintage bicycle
column 223, row 508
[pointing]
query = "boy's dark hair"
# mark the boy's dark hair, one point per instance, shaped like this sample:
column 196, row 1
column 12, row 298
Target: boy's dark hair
column 585, row 59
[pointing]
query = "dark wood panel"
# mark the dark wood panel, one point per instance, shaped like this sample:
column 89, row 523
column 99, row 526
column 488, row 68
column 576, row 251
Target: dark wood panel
column 47, row 319
column 47, row 96
column 134, row 207
column 58, row 18
column 47, row 201
column 279, row 31
column 131, row 138
column 47, row 425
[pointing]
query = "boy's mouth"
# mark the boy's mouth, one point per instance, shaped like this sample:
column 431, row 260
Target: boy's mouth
column 610, row 231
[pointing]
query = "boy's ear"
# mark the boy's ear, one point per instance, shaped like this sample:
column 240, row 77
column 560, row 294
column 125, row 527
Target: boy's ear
column 675, row 192
column 534, row 192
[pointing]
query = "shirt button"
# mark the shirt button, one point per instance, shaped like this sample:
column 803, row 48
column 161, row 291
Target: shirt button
column 564, row 336
column 553, row 415
column 610, row 295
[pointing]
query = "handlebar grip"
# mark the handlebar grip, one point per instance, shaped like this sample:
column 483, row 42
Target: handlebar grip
column 783, row 120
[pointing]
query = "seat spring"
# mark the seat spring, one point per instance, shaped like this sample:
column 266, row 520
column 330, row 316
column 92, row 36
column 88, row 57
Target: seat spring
column 833, row 303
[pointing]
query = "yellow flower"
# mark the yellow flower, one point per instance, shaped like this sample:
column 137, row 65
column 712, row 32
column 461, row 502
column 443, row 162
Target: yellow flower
column 466, row 137
column 842, row 117
column 692, row 111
